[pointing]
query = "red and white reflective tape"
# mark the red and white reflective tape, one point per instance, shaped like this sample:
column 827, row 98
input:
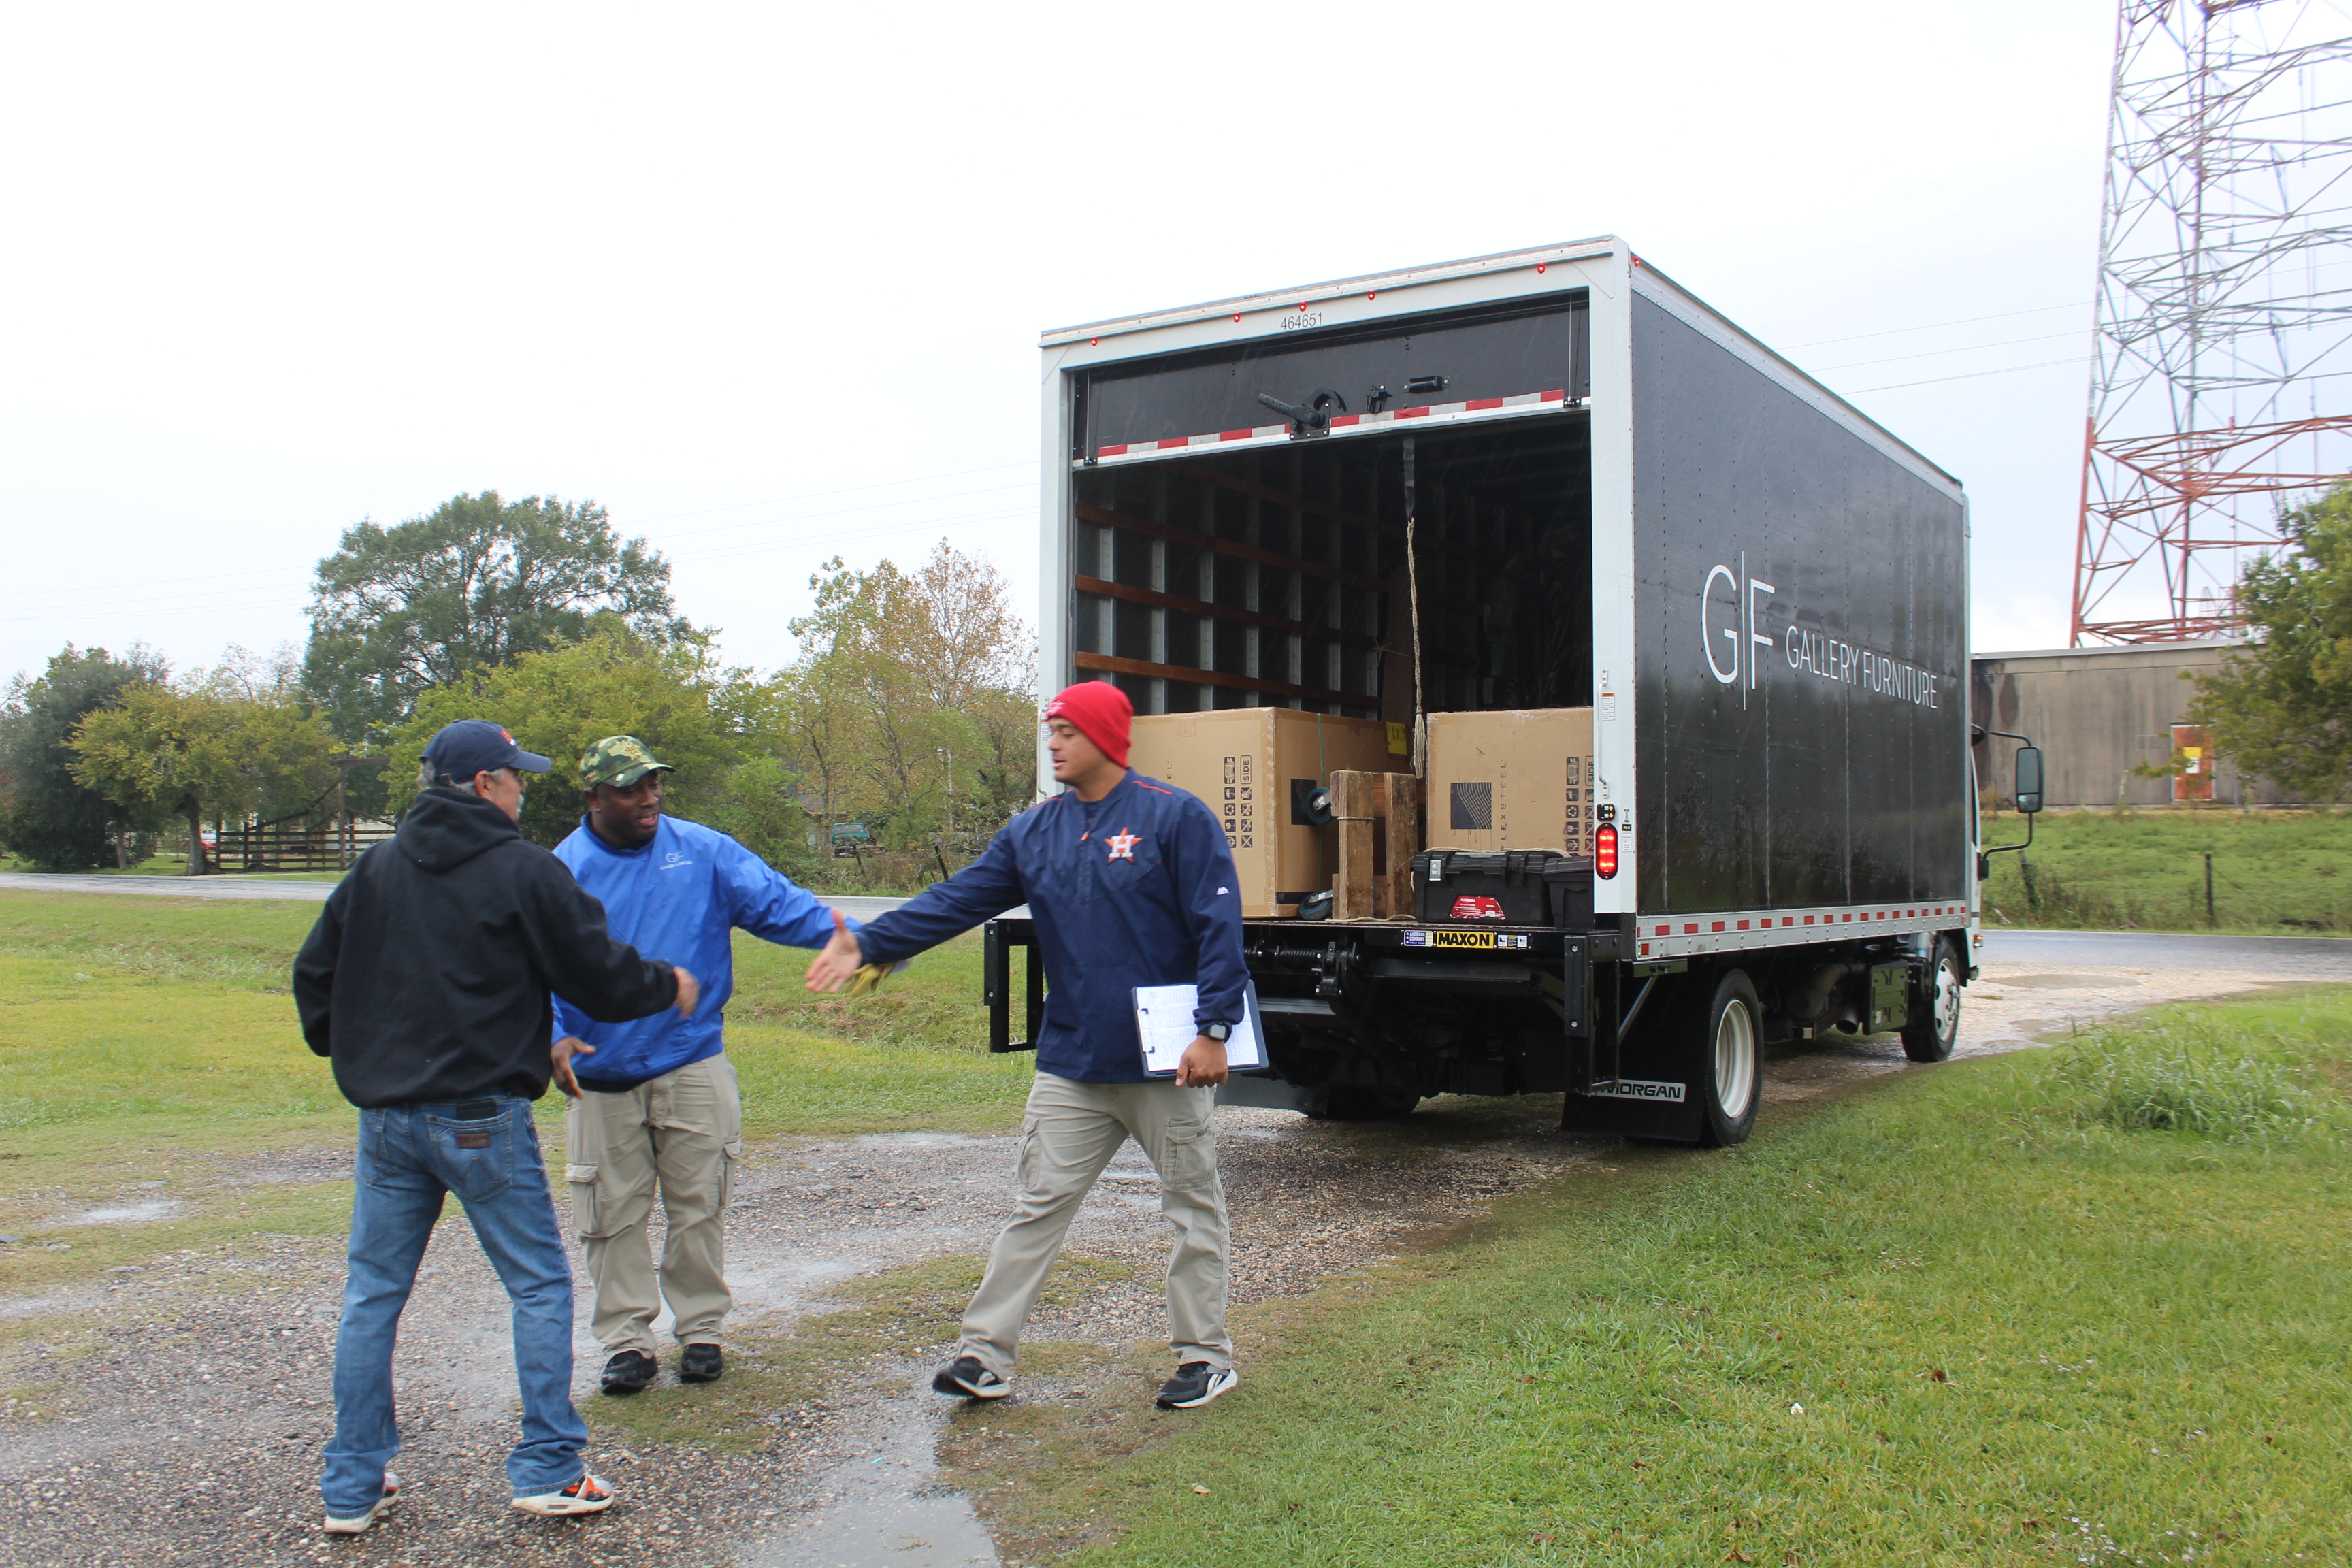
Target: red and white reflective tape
column 1348, row 424
column 1680, row 936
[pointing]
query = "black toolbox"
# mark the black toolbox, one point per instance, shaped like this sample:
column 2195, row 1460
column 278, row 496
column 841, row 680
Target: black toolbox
column 1504, row 886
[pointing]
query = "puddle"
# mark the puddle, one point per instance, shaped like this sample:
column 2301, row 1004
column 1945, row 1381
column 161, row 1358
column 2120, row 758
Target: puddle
column 888, row 1506
column 143, row 1212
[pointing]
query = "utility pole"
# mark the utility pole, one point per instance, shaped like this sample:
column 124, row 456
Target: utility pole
column 2223, row 335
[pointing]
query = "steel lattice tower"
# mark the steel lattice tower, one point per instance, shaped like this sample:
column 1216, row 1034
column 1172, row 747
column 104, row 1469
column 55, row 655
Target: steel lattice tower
column 2224, row 310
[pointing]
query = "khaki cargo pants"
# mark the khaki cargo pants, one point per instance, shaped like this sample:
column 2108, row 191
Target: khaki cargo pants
column 1071, row 1133
column 682, row 1134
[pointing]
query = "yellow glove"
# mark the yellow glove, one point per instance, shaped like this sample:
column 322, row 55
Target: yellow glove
column 870, row 978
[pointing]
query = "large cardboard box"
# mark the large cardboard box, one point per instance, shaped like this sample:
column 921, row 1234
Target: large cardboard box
column 1512, row 780
column 1255, row 766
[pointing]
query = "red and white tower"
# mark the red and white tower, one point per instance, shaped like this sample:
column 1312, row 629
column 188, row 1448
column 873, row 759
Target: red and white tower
column 2223, row 338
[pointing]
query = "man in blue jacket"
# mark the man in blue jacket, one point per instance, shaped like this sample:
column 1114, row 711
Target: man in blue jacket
column 1131, row 884
column 654, row 1106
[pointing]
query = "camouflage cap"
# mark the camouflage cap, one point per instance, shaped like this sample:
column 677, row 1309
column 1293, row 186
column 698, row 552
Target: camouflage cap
column 619, row 760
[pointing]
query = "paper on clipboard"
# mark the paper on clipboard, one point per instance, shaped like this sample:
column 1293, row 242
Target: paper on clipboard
column 1164, row 1018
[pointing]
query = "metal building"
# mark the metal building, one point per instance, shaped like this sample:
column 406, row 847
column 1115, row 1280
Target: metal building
column 2101, row 711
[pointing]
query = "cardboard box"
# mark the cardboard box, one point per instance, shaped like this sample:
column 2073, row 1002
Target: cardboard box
column 1514, row 780
column 1254, row 766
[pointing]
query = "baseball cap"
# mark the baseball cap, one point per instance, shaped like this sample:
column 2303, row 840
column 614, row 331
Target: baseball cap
column 459, row 751
column 619, row 760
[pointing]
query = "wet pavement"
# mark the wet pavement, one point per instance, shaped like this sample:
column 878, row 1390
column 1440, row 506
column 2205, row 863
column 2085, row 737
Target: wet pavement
column 204, row 1376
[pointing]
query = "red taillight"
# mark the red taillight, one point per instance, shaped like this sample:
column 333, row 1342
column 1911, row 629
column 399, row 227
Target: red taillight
column 1604, row 851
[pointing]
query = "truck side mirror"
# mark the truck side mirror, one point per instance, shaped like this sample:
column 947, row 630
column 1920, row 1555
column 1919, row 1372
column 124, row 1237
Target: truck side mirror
column 2029, row 780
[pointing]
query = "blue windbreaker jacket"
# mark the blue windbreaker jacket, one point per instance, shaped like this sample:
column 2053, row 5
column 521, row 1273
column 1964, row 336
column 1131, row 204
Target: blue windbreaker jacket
column 679, row 898
column 1147, row 897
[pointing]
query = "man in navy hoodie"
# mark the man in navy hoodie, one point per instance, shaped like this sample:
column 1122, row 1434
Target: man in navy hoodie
column 653, row 1103
column 1131, row 884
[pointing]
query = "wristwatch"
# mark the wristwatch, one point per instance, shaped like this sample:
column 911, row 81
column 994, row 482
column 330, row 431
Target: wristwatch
column 1219, row 1033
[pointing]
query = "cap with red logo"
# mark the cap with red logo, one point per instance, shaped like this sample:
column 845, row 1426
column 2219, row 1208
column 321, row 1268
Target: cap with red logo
column 459, row 751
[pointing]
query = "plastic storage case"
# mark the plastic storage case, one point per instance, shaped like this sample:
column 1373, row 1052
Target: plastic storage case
column 1503, row 887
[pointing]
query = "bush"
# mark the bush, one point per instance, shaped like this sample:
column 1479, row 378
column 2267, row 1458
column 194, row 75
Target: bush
column 2183, row 1071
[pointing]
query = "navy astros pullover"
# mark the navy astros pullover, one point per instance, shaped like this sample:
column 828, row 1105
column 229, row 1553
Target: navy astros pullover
column 1145, row 896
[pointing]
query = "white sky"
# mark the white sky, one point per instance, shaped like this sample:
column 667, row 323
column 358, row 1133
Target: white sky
column 767, row 280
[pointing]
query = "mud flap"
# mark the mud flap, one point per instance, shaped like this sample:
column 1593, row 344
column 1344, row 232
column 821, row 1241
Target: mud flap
column 1638, row 1107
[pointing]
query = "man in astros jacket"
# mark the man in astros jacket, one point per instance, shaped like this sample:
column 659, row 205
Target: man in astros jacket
column 654, row 1106
column 1131, row 884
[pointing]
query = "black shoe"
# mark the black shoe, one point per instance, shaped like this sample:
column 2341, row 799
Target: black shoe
column 965, row 1376
column 1195, row 1384
column 700, row 1363
column 629, row 1372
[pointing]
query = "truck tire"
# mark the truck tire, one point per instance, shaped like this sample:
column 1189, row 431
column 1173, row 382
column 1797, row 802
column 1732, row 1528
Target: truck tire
column 1728, row 1077
column 1351, row 1104
column 1934, row 1011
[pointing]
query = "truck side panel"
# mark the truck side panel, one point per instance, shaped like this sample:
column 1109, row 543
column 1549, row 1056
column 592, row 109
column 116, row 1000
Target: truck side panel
column 1800, row 698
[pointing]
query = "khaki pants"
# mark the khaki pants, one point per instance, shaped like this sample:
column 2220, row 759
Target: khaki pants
column 681, row 1133
column 1072, row 1131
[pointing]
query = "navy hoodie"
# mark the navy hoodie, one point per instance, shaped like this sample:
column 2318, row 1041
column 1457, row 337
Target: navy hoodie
column 427, row 977
column 1142, row 894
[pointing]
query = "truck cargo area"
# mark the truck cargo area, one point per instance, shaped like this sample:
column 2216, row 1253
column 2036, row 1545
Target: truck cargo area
column 1279, row 577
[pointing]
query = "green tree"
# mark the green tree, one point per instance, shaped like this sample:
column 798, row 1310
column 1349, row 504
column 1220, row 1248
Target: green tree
column 2283, row 709
column 439, row 601
column 670, row 694
column 47, row 815
column 221, row 744
column 910, row 707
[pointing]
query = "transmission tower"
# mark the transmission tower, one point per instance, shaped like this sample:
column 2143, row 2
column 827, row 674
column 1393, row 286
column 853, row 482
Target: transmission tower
column 2224, row 323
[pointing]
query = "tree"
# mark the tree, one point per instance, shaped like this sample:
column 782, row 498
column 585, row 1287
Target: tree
column 439, row 601
column 908, row 707
column 2283, row 709
column 47, row 815
column 672, row 695
column 222, row 742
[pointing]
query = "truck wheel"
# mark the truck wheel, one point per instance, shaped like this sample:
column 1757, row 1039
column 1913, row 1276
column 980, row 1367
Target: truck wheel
column 1727, row 1079
column 1934, row 1011
column 1346, row 1104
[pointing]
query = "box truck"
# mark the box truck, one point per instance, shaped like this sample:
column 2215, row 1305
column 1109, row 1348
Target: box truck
column 1674, row 639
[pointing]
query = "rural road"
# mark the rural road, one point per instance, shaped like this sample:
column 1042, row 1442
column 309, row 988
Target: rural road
column 269, row 888
column 204, row 1378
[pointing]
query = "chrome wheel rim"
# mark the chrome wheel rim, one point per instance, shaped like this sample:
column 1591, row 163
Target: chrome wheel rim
column 1735, row 1060
column 1947, row 1000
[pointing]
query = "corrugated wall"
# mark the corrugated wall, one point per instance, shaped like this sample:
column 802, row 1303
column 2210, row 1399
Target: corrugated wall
column 2096, row 713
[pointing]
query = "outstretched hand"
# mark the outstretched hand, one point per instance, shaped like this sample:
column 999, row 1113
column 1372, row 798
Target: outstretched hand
column 561, row 1054
column 840, row 959
column 689, row 993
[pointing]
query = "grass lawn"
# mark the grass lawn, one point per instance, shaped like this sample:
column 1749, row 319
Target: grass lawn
column 1956, row 1319
column 148, row 1040
column 2274, row 873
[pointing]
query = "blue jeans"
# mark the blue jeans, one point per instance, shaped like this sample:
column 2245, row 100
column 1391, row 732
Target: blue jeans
column 409, row 1156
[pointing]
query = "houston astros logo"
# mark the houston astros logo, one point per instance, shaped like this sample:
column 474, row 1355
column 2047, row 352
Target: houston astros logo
column 1122, row 845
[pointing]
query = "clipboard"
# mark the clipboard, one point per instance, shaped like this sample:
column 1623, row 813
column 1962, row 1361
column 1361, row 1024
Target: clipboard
column 1164, row 1026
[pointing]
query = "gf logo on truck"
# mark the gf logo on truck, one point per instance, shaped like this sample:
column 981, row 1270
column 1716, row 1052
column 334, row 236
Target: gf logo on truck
column 1729, row 619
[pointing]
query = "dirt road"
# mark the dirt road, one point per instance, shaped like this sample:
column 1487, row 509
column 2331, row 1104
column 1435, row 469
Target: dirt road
column 191, row 1433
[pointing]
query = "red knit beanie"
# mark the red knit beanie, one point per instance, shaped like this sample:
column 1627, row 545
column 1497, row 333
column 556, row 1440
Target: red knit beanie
column 1101, row 712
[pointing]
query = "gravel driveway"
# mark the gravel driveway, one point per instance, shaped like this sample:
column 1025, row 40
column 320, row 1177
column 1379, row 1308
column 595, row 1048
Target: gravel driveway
column 192, row 1433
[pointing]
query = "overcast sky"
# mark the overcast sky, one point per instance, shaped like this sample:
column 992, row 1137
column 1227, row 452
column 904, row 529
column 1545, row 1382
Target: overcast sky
column 766, row 281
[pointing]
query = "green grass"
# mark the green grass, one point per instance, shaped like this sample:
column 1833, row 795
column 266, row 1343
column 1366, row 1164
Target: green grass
column 154, row 1039
column 2274, row 872
column 1960, row 1319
